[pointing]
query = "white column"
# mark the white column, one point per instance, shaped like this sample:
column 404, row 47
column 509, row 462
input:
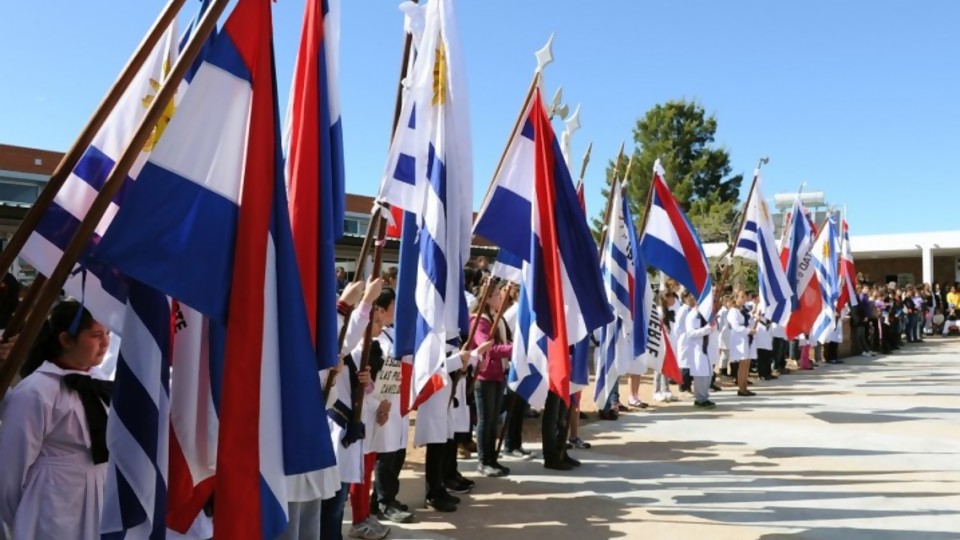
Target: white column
column 927, row 264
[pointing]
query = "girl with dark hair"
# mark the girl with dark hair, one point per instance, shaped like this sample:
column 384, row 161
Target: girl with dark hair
column 53, row 432
column 491, row 376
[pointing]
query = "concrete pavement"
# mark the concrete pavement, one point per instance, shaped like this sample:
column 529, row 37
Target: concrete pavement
column 865, row 450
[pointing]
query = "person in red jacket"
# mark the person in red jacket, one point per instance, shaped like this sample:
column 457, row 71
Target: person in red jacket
column 491, row 377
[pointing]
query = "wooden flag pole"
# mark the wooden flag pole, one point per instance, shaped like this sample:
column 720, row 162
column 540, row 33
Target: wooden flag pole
column 544, row 58
column 78, row 244
column 586, row 161
column 72, row 157
column 488, row 287
column 358, row 391
column 731, row 244
column 606, row 213
column 379, row 224
column 375, row 216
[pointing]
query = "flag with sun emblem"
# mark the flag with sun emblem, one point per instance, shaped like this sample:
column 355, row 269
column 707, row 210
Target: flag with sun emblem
column 430, row 174
column 104, row 291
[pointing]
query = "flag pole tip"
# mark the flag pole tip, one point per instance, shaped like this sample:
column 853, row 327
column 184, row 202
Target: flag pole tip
column 545, row 55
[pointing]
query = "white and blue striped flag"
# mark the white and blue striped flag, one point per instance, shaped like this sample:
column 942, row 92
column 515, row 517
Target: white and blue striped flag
column 623, row 341
column 528, row 366
column 757, row 243
column 430, row 174
column 138, row 434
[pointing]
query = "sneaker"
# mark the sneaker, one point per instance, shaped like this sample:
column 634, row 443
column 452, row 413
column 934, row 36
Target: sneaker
column 670, row 397
column 504, row 470
column 393, row 512
column 489, row 472
column 573, row 462
column 577, row 442
column 715, row 388
column 745, row 393
column 704, row 404
column 518, row 453
column 659, row 397
column 366, row 531
column 635, row 402
column 440, row 504
column 459, row 478
column 450, row 498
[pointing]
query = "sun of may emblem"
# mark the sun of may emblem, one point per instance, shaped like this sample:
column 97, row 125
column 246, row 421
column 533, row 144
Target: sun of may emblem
column 440, row 76
column 164, row 117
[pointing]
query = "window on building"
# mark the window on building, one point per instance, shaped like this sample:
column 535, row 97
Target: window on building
column 17, row 192
column 355, row 225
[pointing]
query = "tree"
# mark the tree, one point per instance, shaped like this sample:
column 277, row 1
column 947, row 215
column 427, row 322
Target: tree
column 681, row 135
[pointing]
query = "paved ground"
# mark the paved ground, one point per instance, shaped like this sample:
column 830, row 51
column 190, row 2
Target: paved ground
column 865, row 450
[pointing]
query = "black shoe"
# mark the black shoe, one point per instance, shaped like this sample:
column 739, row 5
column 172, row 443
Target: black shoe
column 769, row 377
column 557, row 465
column 583, row 416
column 504, row 470
column 464, row 480
column 457, row 487
column 572, row 461
column 441, row 504
column 745, row 393
column 608, row 415
column 704, row 404
column 715, row 388
column 393, row 512
column 450, row 498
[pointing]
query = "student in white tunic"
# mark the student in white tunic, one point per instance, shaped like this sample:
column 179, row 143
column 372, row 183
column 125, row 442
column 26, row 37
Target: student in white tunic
column 53, row 451
column 741, row 345
column 669, row 305
column 723, row 326
column 698, row 333
column 310, row 494
column 684, row 352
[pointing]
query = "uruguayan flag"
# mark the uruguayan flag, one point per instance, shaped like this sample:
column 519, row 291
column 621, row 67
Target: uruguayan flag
column 756, row 243
column 430, row 173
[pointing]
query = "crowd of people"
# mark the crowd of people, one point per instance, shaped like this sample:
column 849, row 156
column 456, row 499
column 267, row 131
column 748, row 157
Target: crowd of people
column 53, row 422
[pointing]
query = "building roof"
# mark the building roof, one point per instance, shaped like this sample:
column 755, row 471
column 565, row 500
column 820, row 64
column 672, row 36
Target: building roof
column 28, row 160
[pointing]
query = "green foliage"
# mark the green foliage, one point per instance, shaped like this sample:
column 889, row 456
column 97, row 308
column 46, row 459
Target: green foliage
column 681, row 135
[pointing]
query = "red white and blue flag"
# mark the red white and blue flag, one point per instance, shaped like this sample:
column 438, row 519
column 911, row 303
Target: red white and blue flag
column 211, row 205
column 564, row 281
column 314, row 170
column 671, row 244
column 848, row 273
column 801, row 274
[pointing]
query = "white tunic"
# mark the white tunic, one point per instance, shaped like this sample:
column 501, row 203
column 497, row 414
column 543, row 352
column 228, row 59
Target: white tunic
column 437, row 418
column 349, row 459
column 739, row 344
column 763, row 339
column 723, row 324
column 700, row 364
column 392, row 435
column 50, row 487
column 684, row 354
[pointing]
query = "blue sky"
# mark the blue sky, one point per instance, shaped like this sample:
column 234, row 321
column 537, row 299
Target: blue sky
column 857, row 98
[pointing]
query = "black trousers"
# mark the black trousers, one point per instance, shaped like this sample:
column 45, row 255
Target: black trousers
column 780, row 347
column 386, row 478
column 687, row 384
column 435, row 466
column 489, row 395
column 764, row 362
column 516, row 409
column 831, row 351
column 555, row 428
column 450, row 469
